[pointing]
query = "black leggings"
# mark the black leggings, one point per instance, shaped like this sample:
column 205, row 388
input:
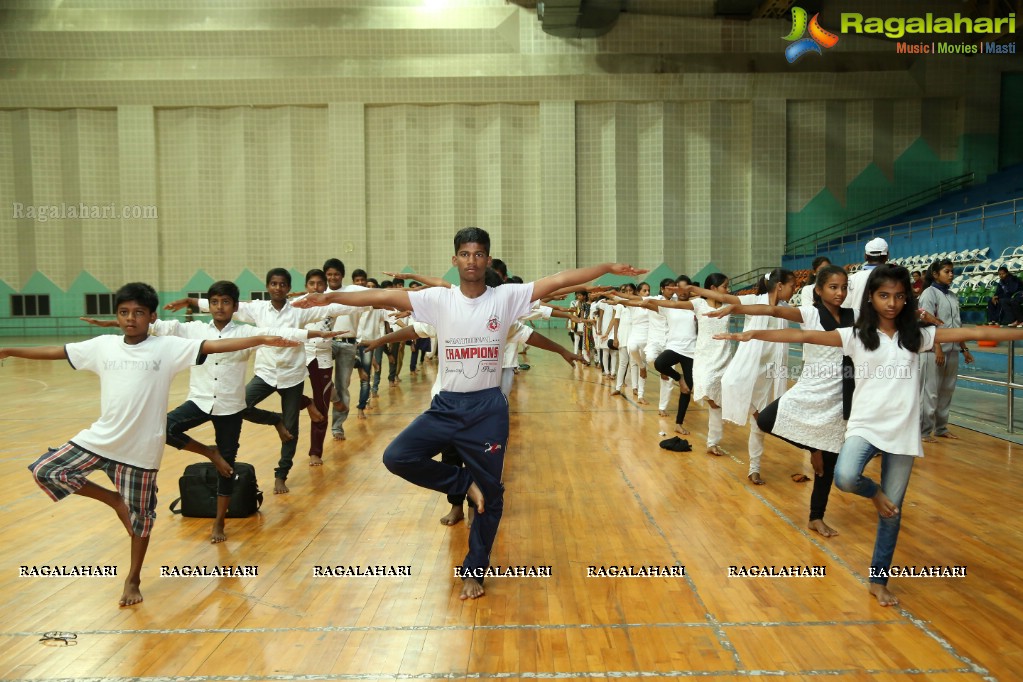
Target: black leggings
column 821, row 484
column 665, row 364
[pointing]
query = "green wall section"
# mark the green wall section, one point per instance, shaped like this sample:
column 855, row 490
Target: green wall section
column 918, row 169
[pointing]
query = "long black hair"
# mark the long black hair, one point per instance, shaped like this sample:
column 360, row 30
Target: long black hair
column 906, row 324
column 771, row 280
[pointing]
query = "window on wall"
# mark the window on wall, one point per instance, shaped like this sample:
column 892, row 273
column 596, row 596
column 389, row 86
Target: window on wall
column 99, row 304
column 259, row 296
column 30, row 305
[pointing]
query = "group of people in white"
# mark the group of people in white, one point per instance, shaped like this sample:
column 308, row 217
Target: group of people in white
column 866, row 342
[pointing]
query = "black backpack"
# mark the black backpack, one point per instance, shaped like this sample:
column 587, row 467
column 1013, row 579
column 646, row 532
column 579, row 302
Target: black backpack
column 198, row 487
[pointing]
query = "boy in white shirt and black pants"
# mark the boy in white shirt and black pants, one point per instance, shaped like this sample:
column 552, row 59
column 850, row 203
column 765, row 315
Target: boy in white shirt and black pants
column 127, row 441
column 472, row 322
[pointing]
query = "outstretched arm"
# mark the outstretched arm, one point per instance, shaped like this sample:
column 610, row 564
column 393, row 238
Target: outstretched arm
column 370, row 298
column 543, row 343
column 241, row 343
column 785, row 312
column 787, row 336
column 567, row 278
column 34, row 353
column 403, row 334
column 705, row 293
column 428, row 280
column 977, row 334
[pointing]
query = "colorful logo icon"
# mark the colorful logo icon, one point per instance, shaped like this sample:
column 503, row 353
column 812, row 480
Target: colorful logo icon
column 818, row 36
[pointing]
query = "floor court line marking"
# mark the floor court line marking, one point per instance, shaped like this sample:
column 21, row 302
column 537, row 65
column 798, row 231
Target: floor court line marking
column 459, row 628
column 900, row 609
column 719, row 632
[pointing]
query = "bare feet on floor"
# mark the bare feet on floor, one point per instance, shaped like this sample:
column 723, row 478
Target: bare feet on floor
column 929, row 439
column 475, row 496
column 314, row 413
column 641, row 401
column 362, row 414
column 662, row 413
column 883, row 596
column 454, row 516
column 218, row 535
column 315, row 461
column 132, row 594
column 948, row 434
column 681, row 429
column 824, row 529
column 717, row 451
column 223, row 468
column 471, row 588
column 284, row 433
column 339, row 435
column 616, row 392
column 885, row 507
column 755, row 478
column 280, row 486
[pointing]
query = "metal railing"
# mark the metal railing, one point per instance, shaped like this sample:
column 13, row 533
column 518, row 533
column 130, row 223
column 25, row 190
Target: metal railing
column 852, row 226
column 1009, row 385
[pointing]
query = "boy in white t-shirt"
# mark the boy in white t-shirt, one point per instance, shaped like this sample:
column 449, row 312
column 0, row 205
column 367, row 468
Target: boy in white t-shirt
column 470, row 412
column 127, row 440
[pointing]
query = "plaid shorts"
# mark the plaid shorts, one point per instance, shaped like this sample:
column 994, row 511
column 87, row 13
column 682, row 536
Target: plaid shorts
column 62, row 472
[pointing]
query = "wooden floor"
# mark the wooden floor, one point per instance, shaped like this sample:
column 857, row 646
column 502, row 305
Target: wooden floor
column 587, row 486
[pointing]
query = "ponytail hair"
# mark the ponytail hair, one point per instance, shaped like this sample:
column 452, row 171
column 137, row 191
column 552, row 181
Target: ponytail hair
column 771, row 280
column 714, row 279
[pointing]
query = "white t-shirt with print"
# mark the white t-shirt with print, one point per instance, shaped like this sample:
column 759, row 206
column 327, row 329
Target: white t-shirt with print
column 886, row 399
column 134, row 383
column 471, row 331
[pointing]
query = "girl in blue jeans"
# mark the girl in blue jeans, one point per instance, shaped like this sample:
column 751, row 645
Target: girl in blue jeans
column 884, row 346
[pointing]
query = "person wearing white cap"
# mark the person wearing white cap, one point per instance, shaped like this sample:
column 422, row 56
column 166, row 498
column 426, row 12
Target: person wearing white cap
column 875, row 253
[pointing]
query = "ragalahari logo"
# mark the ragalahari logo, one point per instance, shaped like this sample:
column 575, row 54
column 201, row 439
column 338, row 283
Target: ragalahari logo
column 818, row 36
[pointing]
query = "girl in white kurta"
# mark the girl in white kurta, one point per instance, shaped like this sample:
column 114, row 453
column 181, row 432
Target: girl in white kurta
column 884, row 347
column 711, row 357
column 811, row 414
column 620, row 332
column 637, row 342
column 757, row 374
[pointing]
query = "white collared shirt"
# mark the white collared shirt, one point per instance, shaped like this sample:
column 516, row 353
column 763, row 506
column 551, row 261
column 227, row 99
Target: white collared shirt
column 217, row 386
column 282, row 367
column 348, row 322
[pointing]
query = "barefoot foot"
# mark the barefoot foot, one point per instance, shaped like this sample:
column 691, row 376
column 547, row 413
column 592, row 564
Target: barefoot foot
column 314, row 414
column 616, row 392
column 280, row 486
column 717, row 451
column 132, row 594
column 883, row 596
column 949, row 435
column 362, row 414
column 222, row 465
column 755, row 478
column 662, row 413
column 641, row 401
column 454, row 516
column 885, row 507
column 315, row 461
column 475, row 496
column 681, row 430
column 217, row 534
column 283, row 432
column 339, row 435
column 824, row 529
column 471, row 589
